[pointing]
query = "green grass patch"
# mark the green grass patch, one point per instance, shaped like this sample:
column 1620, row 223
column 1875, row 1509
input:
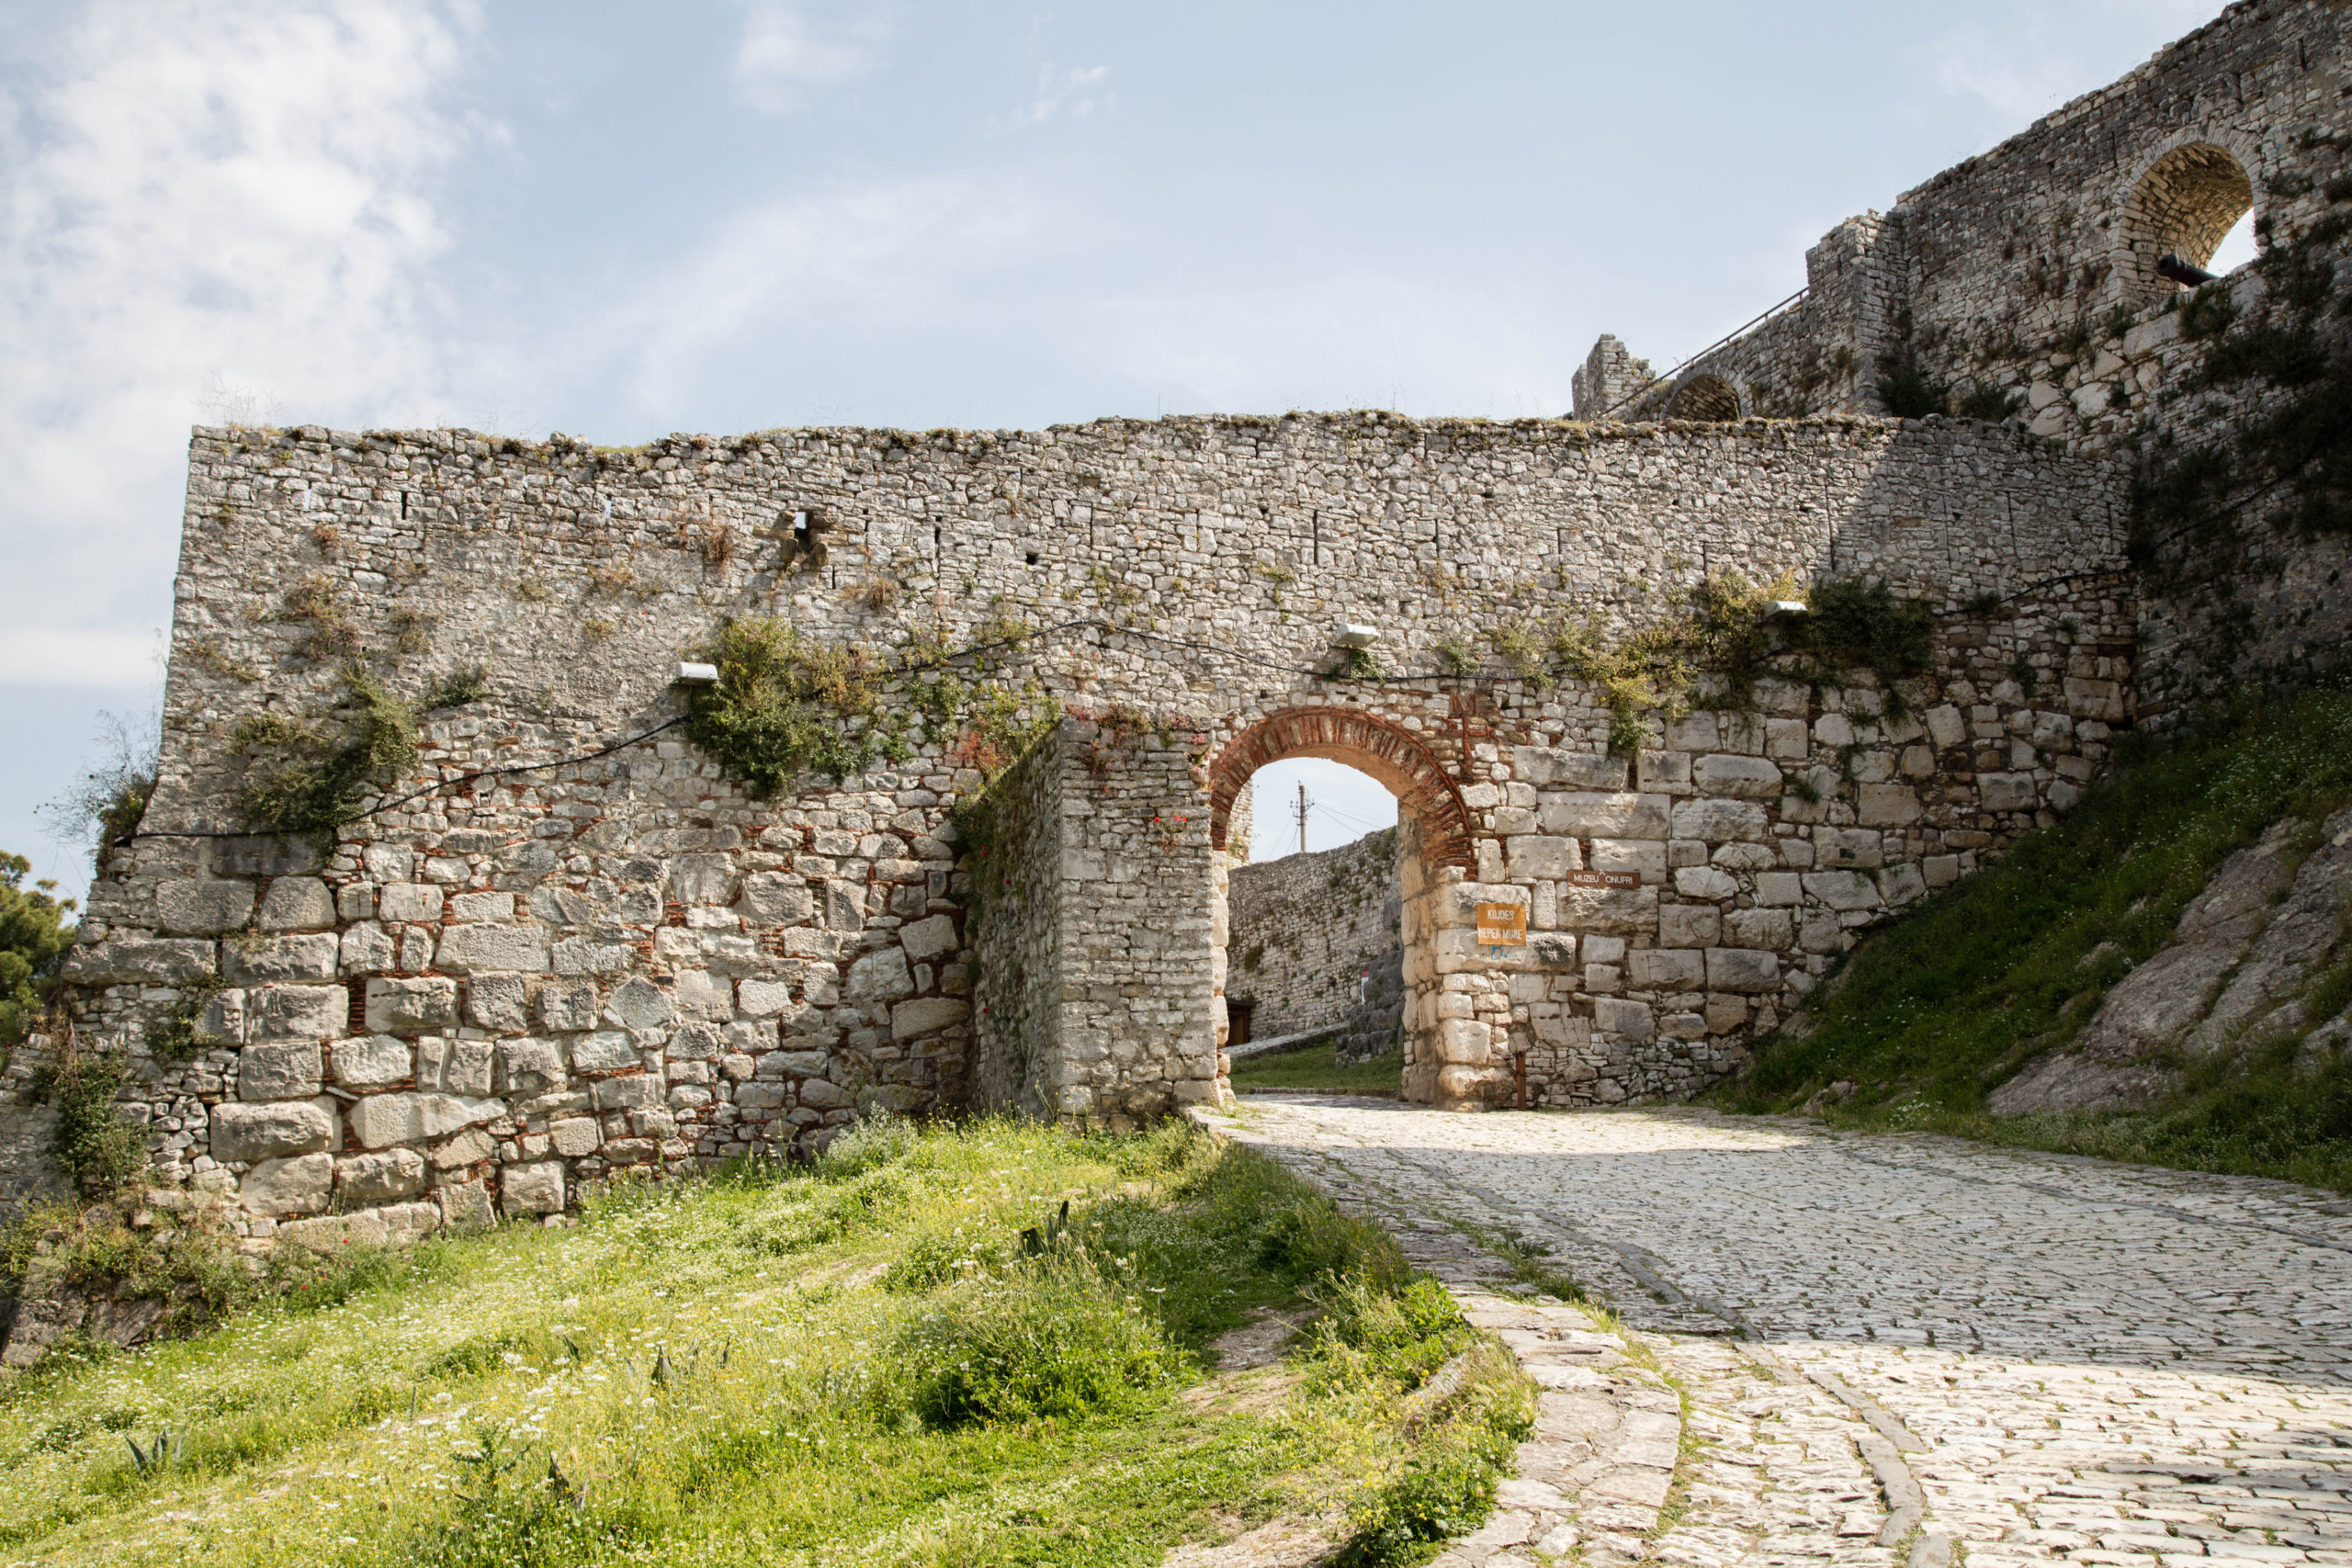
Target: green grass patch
column 1318, row 1067
column 910, row 1352
column 1936, row 1010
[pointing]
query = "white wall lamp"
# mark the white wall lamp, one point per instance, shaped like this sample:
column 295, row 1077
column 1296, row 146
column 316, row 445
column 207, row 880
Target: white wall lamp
column 692, row 675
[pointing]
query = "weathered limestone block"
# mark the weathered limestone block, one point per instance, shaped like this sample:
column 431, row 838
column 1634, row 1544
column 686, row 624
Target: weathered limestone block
column 928, row 939
column 1886, row 804
column 567, row 1007
column 468, row 950
column 1842, row 890
column 1624, row 1019
column 1716, row 821
column 482, row 909
column 399, row 1224
column 1773, row 928
column 370, row 1060
column 238, row 1132
column 1585, row 815
column 638, row 1003
column 170, row 961
column 297, row 904
column 1689, row 925
column 1742, row 777
column 298, row 1185
column 1665, row 968
column 500, row 1003
column 411, row 1007
column 606, row 1051
column 1543, row 766
column 775, row 898
column 1743, row 971
column 2007, row 792
column 203, row 906
column 454, row 1067
column 529, row 1067
column 404, row 903
column 1540, row 855
column 256, row 960
column 1614, row 912
column 382, row 1119
column 284, row 1071
column 384, row 1177
column 880, row 976
column 367, row 948
column 1704, row 882
column 925, row 1014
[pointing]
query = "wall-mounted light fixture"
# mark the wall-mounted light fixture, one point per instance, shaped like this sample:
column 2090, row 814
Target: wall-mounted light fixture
column 1353, row 635
column 693, row 674
column 1786, row 607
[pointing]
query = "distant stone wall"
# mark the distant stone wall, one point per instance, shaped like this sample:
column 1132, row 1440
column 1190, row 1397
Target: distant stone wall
column 1307, row 931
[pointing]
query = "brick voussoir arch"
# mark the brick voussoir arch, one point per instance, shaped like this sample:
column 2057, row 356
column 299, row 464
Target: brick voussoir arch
column 1365, row 741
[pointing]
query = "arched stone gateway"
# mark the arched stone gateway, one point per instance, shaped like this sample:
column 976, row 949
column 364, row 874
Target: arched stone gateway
column 1365, row 741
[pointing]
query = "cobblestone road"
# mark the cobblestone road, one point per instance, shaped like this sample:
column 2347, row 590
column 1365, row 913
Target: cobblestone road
column 1886, row 1348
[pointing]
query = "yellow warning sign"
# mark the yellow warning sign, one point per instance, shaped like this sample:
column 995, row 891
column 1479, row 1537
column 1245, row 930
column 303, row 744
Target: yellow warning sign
column 1502, row 925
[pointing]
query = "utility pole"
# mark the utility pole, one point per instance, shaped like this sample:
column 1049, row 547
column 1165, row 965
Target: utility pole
column 1302, row 819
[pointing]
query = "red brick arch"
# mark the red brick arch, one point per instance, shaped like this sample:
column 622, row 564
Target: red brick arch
column 1365, row 741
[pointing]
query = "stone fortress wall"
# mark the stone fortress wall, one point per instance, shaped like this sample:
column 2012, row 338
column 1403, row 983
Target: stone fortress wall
column 1315, row 937
column 2029, row 272
column 567, row 944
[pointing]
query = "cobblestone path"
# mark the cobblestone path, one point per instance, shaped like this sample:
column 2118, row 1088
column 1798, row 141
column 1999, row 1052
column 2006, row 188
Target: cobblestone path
column 1886, row 1348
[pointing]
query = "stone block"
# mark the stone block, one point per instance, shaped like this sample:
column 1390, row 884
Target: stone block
column 367, row 949
column 499, row 1003
column 297, row 904
column 1726, row 1013
column 1774, row 928
column 1664, row 772
column 775, row 898
column 696, row 1042
column 121, row 961
column 928, row 939
column 576, row 1136
column 1886, row 804
column 203, row 905
column 1464, row 1041
column 1787, row 739
column 1692, row 732
column 455, row 1066
column 411, row 1007
column 529, row 1067
column 1665, row 968
column 532, row 1189
column 465, row 1206
column 1585, row 815
column 1940, row 871
column 468, row 950
column 1616, row 911
column 369, row 1061
column 606, row 1051
column 567, row 1007
column 238, row 1132
column 1543, row 857
column 701, row 879
column 926, row 1014
column 1543, row 765
column 482, row 909
column 636, row 1090
column 298, row 1185
column 638, row 1003
column 1704, row 882
column 1841, row 890
column 1719, row 821
column 1645, row 857
column 880, row 977
column 290, row 1070
column 1623, row 1018
column 469, row 1147
column 256, row 961
column 1740, row 777
column 384, row 1177
column 406, row 903
column 381, row 1121
column 1689, row 925
column 2007, row 792
column 763, row 998
column 1742, row 971
column 1857, row 849
column 1947, row 727
column 1900, row 885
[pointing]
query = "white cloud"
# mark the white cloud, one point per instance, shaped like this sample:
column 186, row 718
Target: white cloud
column 789, row 45
column 1074, row 91
column 884, row 258
column 198, row 198
column 2022, row 74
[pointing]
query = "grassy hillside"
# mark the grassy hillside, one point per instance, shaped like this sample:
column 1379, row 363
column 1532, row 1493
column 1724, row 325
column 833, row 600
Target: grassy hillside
column 902, row 1355
column 1931, row 1013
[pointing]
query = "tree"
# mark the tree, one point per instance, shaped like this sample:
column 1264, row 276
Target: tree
column 34, row 936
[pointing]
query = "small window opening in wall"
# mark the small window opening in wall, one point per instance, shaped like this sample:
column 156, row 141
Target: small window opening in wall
column 801, row 529
column 2189, row 203
column 1704, row 398
column 1032, row 558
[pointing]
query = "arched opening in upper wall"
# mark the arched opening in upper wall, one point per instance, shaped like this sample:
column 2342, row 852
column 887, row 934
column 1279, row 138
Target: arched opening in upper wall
column 1704, row 398
column 2183, row 207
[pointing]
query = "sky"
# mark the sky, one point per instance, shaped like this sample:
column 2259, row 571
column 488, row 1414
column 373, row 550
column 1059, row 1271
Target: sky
column 621, row 221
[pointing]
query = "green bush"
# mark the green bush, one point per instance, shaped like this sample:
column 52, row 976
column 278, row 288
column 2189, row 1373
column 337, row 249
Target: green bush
column 1057, row 1340
column 34, row 939
column 303, row 775
column 873, row 1141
